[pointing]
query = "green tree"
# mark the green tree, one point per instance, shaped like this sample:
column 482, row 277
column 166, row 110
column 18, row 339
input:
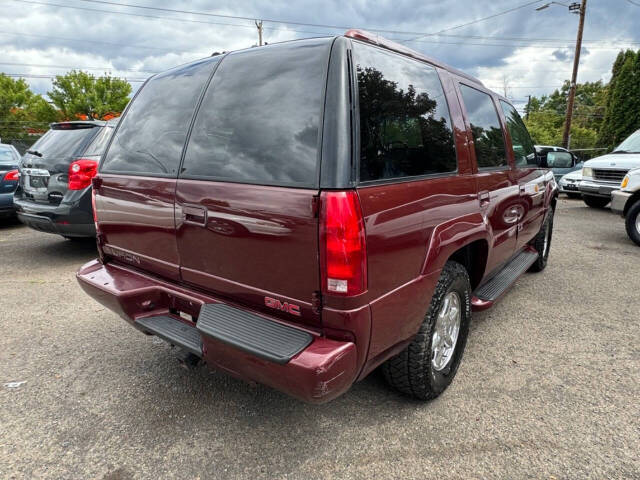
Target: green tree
column 21, row 109
column 624, row 111
column 605, row 135
column 80, row 93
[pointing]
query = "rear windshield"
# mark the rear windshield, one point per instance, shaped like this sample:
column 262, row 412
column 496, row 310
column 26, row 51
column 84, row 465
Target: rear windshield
column 7, row 155
column 99, row 142
column 151, row 135
column 259, row 121
column 62, row 143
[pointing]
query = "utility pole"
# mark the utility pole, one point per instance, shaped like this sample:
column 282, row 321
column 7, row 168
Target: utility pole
column 574, row 76
column 526, row 117
column 259, row 25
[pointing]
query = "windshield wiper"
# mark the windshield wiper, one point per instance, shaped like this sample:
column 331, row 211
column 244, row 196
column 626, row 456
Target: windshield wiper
column 34, row 152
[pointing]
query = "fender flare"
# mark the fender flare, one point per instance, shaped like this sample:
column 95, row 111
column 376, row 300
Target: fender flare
column 450, row 236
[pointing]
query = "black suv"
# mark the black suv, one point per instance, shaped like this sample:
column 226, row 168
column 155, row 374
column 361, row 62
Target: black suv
column 54, row 192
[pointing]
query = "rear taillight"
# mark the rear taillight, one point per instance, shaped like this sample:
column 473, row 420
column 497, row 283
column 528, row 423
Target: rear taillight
column 12, row 176
column 343, row 248
column 81, row 172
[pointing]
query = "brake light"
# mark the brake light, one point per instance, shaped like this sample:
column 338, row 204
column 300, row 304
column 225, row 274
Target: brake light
column 343, row 250
column 81, row 172
column 12, row 176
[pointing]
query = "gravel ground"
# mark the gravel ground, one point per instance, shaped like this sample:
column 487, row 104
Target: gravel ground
column 549, row 387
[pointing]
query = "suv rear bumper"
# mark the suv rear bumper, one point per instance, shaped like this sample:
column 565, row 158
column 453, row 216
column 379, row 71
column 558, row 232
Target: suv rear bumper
column 74, row 219
column 323, row 370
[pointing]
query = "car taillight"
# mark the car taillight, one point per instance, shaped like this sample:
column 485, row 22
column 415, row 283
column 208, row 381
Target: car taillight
column 12, row 176
column 343, row 248
column 81, row 172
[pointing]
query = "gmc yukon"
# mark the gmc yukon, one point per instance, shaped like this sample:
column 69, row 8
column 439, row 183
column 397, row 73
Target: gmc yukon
column 301, row 213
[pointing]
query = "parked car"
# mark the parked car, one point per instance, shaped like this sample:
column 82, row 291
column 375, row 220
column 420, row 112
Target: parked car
column 390, row 200
column 626, row 202
column 569, row 184
column 54, row 193
column 9, row 160
column 561, row 161
column 602, row 175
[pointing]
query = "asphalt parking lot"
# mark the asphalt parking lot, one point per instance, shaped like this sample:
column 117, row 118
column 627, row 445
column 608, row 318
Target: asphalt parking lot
column 549, row 386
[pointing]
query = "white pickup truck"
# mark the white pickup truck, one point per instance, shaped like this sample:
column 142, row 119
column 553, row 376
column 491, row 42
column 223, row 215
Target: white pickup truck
column 602, row 175
column 626, row 202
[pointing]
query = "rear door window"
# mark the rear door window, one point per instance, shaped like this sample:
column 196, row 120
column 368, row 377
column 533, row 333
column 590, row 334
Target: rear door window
column 259, row 121
column 405, row 127
column 485, row 128
column 151, row 136
column 523, row 149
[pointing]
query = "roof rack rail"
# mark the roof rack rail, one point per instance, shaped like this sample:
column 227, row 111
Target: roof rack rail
column 376, row 39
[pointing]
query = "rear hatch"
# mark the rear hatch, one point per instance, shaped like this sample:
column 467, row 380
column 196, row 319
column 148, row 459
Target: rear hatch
column 44, row 169
column 243, row 183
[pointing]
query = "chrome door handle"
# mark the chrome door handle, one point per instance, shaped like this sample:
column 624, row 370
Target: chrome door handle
column 194, row 214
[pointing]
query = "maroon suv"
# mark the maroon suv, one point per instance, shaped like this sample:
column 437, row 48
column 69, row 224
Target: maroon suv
column 299, row 214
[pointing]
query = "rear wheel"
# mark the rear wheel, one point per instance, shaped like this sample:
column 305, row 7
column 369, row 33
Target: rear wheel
column 632, row 222
column 595, row 202
column 542, row 243
column 427, row 366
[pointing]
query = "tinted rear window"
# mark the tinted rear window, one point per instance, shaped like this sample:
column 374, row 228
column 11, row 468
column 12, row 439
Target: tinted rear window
column 259, row 121
column 63, row 143
column 151, row 136
column 405, row 129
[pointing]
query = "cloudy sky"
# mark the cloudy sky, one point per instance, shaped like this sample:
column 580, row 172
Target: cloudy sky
column 528, row 51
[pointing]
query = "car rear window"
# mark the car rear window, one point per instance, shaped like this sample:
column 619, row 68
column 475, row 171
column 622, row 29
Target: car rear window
column 151, row 135
column 485, row 128
column 405, row 128
column 63, row 143
column 7, row 155
column 259, row 121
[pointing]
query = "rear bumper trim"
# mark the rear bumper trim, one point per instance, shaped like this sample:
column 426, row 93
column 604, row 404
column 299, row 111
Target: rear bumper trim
column 316, row 372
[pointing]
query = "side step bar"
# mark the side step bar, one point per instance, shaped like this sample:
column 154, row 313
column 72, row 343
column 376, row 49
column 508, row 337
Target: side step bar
column 500, row 283
column 173, row 331
column 252, row 333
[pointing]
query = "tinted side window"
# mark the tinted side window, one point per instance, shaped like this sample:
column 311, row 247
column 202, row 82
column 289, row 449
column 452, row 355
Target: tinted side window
column 485, row 128
column 150, row 137
column 99, row 142
column 523, row 150
column 405, row 128
column 259, row 121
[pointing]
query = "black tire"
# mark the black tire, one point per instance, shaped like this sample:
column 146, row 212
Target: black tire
column 538, row 242
column 411, row 371
column 574, row 195
column 631, row 222
column 595, row 202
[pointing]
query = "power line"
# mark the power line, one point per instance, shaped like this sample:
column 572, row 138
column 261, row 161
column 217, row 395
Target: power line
column 633, row 3
column 421, row 35
column 74, row 68
column 36, row 75
column 475, row 21
column 83, row 40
